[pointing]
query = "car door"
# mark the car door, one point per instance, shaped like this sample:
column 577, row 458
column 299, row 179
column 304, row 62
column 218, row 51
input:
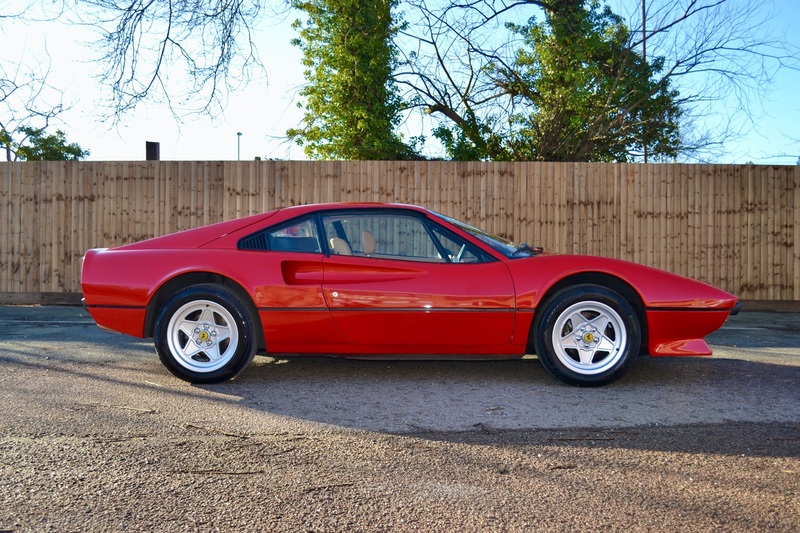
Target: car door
column 288, row 259
column 395, row 282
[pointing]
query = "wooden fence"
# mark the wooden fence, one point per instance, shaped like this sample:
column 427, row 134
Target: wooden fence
column 736, row 227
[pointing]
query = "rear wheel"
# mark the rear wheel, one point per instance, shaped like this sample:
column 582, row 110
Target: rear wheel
column 205, row 334
column 587, row 335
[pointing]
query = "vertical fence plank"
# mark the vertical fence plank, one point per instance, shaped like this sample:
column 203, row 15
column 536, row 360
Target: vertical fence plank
column 783, row 233
column 520, row 225
column 638, row 196
column 625, row 213
column 667, row 201
column 796, row 237
column 764, row 198
column 748, row 278
column 22, row 199
column 6, row 203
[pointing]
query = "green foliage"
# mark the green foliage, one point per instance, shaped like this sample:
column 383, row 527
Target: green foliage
column 576, row 92
column 36, row 146
column 6, row 143
column 351, row 102
column 470, row 140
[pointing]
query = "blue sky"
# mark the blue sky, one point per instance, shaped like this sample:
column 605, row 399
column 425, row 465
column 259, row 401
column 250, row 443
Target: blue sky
column 264, row 110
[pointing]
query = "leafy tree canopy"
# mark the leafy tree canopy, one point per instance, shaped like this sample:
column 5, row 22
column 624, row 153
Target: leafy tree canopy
column 35, row 145
column 351, row 102
column 574, row 91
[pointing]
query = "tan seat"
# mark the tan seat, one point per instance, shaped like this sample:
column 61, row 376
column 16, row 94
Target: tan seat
column 368, row 242
column 340, row 246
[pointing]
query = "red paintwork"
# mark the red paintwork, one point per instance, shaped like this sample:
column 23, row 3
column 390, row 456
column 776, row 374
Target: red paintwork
column 682, row 332
column 355, row 305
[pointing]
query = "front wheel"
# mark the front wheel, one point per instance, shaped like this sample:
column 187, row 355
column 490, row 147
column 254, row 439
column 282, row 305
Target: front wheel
column 587, row 335
column 205, row 334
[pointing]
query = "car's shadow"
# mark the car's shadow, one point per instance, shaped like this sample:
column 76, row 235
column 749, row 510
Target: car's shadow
column 454, row 400
column 453, row 396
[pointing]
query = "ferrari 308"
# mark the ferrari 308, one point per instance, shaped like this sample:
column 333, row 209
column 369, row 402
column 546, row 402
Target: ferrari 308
column 384, row 281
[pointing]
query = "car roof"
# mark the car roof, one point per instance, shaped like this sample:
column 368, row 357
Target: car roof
column 335, row 205
column 309, row 208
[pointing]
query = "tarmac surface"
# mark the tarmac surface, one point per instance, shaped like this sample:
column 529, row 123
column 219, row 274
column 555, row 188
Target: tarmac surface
column 754, row 376
column 96, row 435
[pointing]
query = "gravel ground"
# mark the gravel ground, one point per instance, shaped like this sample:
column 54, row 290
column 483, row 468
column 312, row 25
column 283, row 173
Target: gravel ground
column 96, row 436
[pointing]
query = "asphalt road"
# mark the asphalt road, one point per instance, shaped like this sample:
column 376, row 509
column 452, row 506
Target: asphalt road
column 96, row 432
column 754, row 376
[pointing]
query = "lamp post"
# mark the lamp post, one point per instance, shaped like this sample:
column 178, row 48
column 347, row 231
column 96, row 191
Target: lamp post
column 238, row 145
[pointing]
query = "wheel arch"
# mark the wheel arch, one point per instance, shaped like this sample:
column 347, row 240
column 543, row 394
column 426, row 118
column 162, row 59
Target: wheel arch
column 182, row 281
column 608, row 281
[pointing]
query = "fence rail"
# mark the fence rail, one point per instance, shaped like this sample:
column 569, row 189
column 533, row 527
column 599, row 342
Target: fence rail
column 736, row 227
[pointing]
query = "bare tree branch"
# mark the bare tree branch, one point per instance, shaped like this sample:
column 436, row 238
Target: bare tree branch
column 714, row 50
column 190, row 54
column 26, row 100
column 710, row 50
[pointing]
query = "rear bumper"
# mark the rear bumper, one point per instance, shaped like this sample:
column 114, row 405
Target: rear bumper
column 128, row 320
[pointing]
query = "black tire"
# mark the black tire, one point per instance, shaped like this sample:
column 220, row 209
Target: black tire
column 205, row 334
column 587, row 335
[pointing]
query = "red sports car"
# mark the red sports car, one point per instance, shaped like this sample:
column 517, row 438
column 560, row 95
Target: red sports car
column 389, row 281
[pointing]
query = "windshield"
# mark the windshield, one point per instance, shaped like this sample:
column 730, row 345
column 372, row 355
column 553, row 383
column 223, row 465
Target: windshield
column 504, row 246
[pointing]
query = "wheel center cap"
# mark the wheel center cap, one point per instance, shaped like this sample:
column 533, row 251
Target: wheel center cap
column 588, row 337
column 203, row 336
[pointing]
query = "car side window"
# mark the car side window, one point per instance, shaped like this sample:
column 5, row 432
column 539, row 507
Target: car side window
column 295, row 236
column 381, row 235
column 458, row 251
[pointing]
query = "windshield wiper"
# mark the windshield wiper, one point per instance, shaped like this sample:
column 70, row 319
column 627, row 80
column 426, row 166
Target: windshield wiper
column 525, row 247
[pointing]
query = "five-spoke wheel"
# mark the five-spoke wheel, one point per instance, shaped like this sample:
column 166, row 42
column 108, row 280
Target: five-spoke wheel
column 204, row 334
column 587, row 335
